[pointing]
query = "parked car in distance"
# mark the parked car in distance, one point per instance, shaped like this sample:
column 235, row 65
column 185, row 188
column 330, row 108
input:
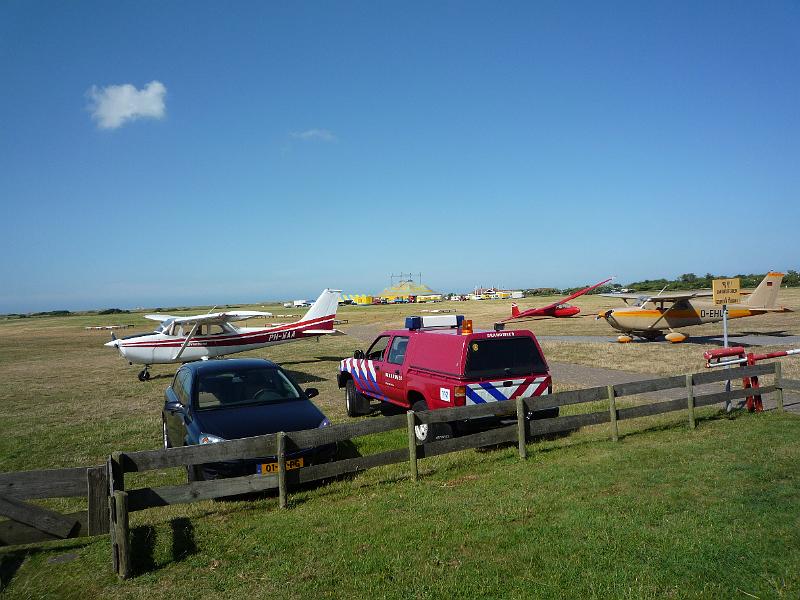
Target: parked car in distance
column 216, row 400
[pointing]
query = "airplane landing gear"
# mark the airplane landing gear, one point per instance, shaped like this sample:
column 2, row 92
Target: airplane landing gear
column 144, row 374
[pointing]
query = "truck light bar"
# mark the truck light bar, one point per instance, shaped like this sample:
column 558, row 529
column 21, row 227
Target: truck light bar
column 434, row 321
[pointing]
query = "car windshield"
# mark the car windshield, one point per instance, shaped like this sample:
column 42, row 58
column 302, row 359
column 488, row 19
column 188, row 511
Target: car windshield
column 225, row 389
column 503, row 357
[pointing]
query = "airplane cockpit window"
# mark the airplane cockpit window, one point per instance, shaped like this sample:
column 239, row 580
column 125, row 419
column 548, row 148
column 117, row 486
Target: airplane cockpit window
column 164, row 327
column 215, row 329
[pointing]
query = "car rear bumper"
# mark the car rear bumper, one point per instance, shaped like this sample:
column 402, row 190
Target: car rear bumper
column 240, row 468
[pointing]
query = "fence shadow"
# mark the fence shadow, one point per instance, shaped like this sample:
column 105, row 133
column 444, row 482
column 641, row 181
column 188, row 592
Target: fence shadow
column 9, row 565
column 183, row 543
column 143, row 543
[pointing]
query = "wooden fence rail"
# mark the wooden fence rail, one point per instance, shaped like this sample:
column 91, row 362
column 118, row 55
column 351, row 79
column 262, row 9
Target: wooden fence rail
column 109, row 502
column 29, row 523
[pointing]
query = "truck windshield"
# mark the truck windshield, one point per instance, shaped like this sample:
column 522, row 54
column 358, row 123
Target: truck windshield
column 240, row 387
column 503, row 358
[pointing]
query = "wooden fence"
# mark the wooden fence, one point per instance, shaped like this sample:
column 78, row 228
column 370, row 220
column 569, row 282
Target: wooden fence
column 106, row 486
column 29, row 523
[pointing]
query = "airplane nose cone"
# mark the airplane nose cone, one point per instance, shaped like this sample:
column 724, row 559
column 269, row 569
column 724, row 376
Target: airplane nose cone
column 111, row 344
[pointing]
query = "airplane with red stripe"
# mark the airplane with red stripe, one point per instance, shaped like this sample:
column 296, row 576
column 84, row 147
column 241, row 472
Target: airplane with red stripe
column 200, row 337
column 557, row 309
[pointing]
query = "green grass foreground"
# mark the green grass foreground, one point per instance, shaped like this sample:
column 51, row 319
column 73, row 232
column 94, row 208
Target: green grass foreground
column 663, row 513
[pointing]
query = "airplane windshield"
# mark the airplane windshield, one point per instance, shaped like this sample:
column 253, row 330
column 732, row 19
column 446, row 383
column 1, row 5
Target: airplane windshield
column 165, row 325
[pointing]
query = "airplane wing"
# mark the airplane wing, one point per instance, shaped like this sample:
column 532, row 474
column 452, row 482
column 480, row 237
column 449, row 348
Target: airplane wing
column 219, row 317
column 670, row 297
column 580, row 292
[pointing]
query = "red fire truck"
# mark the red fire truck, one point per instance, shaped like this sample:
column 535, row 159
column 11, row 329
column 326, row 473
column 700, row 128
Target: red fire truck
column 440, row 362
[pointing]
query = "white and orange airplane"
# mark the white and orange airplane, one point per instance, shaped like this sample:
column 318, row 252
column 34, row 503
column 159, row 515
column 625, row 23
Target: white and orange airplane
column 200, row 337
column 651, row 316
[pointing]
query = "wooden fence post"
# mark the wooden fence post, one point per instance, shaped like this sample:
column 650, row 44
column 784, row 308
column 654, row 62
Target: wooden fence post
column 612, row 409
column 523, row 450
column 121, row 534
column 412, row 446
column 690, row 400
column 116, row 482
column 97, row 515
column 778, row 387
column 282, row 502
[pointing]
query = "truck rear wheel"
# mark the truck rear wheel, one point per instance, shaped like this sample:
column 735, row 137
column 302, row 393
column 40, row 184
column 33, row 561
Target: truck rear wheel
column 430, row 432
column 355, row 401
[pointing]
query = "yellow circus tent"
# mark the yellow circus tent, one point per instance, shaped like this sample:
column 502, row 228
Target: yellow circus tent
column 403, row 289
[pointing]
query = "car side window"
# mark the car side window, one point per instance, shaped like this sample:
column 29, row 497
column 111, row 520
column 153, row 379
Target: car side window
column 397, row 352
column 375, row 351
column 180, row 386
column 186, row 392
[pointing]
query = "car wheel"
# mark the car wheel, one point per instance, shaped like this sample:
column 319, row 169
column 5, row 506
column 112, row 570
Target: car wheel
column 194, row 473
column 164, row 434
column 357, row 405
column 430, row 432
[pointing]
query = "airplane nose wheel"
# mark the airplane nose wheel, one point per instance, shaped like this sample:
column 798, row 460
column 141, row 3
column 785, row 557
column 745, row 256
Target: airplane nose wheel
column 144, row 375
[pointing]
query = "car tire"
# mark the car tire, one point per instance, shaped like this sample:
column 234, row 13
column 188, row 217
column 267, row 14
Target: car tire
column 355, row 401
column 194, row 473
column 164, row 434
column 426, row 433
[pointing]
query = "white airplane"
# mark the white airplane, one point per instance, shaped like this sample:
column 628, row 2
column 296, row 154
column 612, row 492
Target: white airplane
column 200, row 337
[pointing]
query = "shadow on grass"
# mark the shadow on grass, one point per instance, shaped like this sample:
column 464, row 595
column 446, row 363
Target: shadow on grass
column 301, row 377
column 143, row 543
column 9, row 565
column 316, row 359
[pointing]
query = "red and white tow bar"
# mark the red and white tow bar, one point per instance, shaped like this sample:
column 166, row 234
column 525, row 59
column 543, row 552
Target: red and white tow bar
column 726, row 357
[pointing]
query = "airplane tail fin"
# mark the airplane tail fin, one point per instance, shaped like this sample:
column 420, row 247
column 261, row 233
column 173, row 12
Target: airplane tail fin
column 514, row 309
column 324, row 306
column 766, row 294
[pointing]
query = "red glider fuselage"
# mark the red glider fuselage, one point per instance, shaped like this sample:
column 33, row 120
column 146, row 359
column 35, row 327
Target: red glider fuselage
column 557, row 309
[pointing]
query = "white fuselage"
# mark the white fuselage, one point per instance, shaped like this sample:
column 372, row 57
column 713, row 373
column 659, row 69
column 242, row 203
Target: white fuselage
column 162, row 348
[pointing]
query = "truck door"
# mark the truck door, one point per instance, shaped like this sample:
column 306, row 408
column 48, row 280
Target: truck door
column 369, row 376
column 394, row 371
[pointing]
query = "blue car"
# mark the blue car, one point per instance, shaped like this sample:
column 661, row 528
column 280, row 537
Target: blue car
column 216, row 400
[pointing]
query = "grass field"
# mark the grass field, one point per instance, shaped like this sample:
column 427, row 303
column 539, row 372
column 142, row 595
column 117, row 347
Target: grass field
column 664, row 513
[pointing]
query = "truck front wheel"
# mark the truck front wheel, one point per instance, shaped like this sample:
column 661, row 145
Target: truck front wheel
column 430, row 432
column 355, row 401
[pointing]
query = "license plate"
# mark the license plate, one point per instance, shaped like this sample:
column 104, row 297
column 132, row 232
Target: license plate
column 291, row 463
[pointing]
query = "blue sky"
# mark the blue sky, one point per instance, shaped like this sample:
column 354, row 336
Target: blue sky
column 296, row 146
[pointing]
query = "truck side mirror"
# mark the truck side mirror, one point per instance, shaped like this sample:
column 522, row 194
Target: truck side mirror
column 358, row 354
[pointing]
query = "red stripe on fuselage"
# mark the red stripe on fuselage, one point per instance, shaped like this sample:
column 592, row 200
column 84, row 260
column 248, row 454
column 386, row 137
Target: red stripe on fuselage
column 251, row 337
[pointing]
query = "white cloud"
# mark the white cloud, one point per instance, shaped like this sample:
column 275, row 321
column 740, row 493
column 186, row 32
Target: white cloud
column 114, row 105
column 323, row 135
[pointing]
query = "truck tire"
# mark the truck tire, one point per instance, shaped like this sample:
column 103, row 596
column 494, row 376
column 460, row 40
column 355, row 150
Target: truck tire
column 426, row 433
column 355, row 401
column 547, row 413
